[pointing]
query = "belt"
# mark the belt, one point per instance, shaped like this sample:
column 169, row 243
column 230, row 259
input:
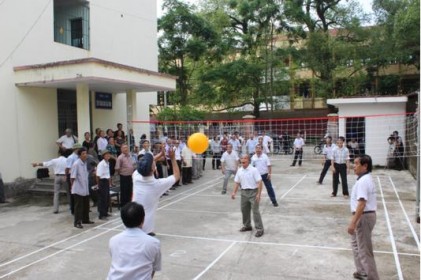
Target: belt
column 60, row 175
column 365, row 212
column 249, row 189
column 104, row 179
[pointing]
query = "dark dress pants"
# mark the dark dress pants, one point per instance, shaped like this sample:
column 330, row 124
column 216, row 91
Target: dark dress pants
column 103, row 197
column 70, row 198
column 298, row 155
column 269, row 188
column 326, row 167
column 340, row 170
column 126, row 189
column 81, row 208
column 187, row 175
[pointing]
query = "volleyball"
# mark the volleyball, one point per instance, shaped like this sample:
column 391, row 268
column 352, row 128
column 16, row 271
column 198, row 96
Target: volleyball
column 198, row 143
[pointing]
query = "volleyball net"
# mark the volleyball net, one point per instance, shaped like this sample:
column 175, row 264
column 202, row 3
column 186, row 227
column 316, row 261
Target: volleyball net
column 383, row 137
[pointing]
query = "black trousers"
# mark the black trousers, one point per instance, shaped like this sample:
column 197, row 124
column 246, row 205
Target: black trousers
column 103, row 197
column 340, row 170
column 326, row 167
column 299, row 155
column 81, row 208
column 216, row 160
column 126, row 189
column 187, row 175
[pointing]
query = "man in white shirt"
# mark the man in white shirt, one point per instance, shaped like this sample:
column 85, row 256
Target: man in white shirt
column 251, row 188
column 187, row 164
column 267, row 142
column 327, row 158
column 134, row 254
column 229, row 163
column 147, row 189
column 59, row 166
column 103, row 179
column 66, row 142
column 340, row 166
column 262, row 163
column 298, row 148
column 363, row 208
column 251, row 144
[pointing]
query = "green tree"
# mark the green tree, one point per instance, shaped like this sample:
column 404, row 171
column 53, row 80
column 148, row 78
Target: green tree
column 185, row 38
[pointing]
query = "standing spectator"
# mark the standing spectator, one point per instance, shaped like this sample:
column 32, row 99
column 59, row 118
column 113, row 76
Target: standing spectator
column 92, row 162
column 235, row 143
column 125, row 166
column 104, row 182
column 69, row 163
column 97, row 135
column 88, row 144
column 177, row 152
column 251, row 144
column 66, row 142
column 130, row 139
column 187, row 164
column 112, row 149
column 250, row 182
column 110, row 133
column 354, row 149
column 363, row 207
column 80, row 189
column 134, row 254
column 119, row 130
column 119, row 141
column 101, row 143
column 267, row 142
column 229, row 161
column 340, row 166
column 216, row 153
column 262, row 163
column 224, row 142
column 145, row 148
column 59, row 166
column 399, row 151
column 147, row 190
column 327, row 155
column 285, row 139
column 298, row 148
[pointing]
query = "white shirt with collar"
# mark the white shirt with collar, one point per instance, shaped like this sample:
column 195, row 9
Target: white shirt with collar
column 230, row 160
column 147, row 191
column 340, row 155
column 71, row 160
column 134, row 255
column 59, row 165
column 261, row 163
column 101, row 143
column 103, row 170
column 328, row 151
column 364, row 188
column 67, row 142
column 299, row 143
column 248, row 177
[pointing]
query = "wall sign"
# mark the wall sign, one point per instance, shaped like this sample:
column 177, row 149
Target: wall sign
column 103, row 100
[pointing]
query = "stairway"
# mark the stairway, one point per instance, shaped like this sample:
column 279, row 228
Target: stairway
column 44, row 186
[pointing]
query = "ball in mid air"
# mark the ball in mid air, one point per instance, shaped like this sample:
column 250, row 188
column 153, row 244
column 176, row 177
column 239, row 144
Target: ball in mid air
column 198, row 143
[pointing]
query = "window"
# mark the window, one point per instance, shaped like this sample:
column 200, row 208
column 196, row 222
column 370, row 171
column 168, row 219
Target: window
column 71, row 23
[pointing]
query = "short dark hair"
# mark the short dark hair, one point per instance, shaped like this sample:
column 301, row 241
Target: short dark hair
column 341, row 138
column 119, row 124
column 132, row 214
column 329, row 137
column 366, row 159
column 81, row 150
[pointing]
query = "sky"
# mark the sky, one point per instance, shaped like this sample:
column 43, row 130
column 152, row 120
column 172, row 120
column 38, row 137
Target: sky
column 366, row 5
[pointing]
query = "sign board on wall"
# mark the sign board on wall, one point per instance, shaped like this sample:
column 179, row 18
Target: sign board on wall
column 103, row 100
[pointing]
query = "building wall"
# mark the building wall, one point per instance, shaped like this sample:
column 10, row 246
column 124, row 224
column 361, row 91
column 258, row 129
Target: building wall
column 124, row 32
column 377, row 129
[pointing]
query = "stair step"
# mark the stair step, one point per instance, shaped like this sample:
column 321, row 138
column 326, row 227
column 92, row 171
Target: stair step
column 40, row 190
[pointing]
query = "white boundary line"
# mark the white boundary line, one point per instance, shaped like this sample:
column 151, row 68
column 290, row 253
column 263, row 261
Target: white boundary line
column 87, row 239
column 406, row 215
column 391, row 237
column 296, row 184
column 267, row 243
column 58, row 252
column 215, row 261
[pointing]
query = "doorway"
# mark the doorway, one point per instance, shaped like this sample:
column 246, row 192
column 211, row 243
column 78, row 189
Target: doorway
column 355, row 129
column 67, row 111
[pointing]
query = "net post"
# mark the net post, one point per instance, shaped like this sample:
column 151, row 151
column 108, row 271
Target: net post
column 417, row 201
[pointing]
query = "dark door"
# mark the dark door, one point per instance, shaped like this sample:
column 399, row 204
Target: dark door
column 355, row 129
column 67, row 111
column 76, row 31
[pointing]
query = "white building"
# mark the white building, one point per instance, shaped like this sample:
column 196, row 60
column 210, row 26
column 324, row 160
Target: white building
column 371, row 120
column 61, row 61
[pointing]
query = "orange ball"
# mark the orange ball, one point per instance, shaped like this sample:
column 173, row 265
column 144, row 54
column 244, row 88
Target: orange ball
column 198, row 143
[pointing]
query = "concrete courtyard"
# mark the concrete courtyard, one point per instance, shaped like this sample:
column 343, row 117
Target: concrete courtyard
column 305, row 237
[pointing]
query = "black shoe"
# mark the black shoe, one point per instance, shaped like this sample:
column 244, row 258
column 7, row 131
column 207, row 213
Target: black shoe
column 151, row 234
column 102, row 218
column 359, row 276
column 173, row 188
column 259, row 233
column 243, row 229
column 88, row 222
column 223, row 192
column 275, row 204
column 292, row 165
column 55, row 212
column 78, row 226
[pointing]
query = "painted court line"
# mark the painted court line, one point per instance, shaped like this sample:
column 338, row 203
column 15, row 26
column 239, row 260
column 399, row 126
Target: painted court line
column 215, row 261
column 55, row 243
column 414, row 234
column 267, row 243
column 391, row 237
column 56, row 253
column 296, row 184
